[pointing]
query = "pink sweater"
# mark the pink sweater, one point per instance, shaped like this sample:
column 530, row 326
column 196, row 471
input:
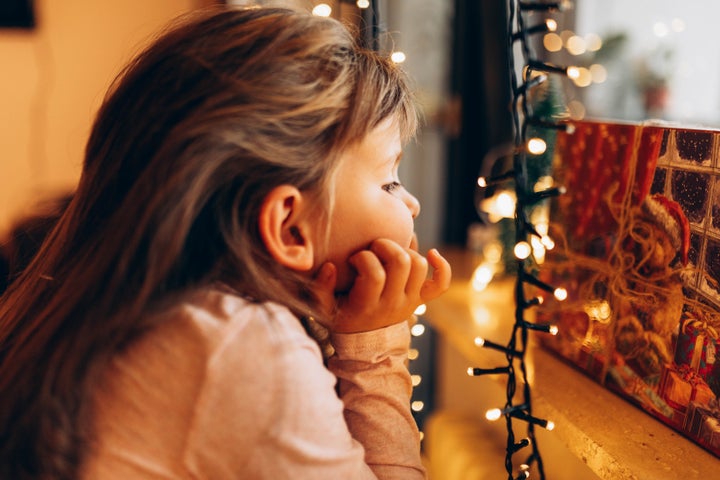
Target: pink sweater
column 233, row 390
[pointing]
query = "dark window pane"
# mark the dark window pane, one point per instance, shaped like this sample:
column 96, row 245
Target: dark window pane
column 690, row 190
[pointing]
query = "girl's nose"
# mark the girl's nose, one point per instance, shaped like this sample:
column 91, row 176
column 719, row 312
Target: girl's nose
column 412, row 203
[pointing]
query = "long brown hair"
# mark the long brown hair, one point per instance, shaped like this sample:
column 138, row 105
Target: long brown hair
column 220, row 109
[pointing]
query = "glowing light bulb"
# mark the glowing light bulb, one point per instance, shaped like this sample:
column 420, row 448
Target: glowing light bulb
column 573, row 72
column 417, row 406
column 363, row 3
column 421, row 309
column 505, row 204
column 584, row 77
column 550, row 425
column 593, row 42
column 522, row 250
column 660, row 29
column 538, row 250
column 598, row 73
column 398, row 57
column 543, row 183
column 322, row 10
column 417, row 329
column 552, row 42
column 536, row 146
column 576, row 45
column 413, row 354
column 415, row 379
column 482, row 182
column 677, row 25
column 551, row 24
column 547, row 242
column 479, row 341
column 553, row 330
column 560, row 293
column 493, row 414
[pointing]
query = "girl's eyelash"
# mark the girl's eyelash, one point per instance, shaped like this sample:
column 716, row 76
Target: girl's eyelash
column 391, row 186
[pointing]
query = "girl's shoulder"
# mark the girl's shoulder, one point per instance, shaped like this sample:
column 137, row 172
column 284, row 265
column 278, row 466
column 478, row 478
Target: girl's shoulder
column 222, row 316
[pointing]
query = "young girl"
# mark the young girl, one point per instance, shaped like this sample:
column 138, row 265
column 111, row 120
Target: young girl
column 239, row 186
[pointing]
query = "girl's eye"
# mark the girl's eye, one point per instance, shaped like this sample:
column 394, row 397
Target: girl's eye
column 390, row 187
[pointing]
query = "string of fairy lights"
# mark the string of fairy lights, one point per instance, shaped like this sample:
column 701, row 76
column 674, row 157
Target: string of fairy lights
column 518, row 406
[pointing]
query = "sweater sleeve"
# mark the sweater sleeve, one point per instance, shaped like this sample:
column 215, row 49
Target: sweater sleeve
column 375, row 387
column 269, row 407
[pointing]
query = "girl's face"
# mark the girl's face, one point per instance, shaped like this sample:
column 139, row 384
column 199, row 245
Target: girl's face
column 370, row 202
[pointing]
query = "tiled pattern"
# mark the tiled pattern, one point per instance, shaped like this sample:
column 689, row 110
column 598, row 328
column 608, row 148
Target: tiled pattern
column 688, row 172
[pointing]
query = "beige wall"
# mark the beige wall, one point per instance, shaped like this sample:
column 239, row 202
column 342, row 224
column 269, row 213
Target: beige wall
column 52, row 80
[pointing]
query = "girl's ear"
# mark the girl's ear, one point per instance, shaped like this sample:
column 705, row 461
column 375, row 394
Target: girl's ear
column 285, row 227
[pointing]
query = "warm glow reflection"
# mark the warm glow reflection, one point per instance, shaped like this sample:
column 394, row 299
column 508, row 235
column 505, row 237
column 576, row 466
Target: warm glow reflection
column 482, row 276
column 493, row 251
column 598, row 310
column 415, row 379
column 576, row 109
column 481, row 316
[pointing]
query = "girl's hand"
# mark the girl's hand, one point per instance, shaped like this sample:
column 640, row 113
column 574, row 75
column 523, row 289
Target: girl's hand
column 391, row 282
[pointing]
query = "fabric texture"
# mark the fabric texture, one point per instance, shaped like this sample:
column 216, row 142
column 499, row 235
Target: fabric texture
column 227, row 389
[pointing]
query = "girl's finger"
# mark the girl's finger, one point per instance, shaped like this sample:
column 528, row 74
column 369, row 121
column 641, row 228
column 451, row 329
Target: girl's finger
column 441, row 277
column 370, row 279
column 418, row 274
column 397, row 264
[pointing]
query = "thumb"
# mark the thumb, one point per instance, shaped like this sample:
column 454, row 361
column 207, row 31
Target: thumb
column 441, row 277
